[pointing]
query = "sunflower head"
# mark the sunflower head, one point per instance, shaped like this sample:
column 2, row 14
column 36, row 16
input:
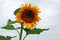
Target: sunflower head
column 28, row 15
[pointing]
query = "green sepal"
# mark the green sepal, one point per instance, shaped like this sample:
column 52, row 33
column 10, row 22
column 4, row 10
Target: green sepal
column 16, row 11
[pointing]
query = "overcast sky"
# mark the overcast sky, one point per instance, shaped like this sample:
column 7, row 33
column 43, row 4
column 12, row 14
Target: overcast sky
column 50, row 15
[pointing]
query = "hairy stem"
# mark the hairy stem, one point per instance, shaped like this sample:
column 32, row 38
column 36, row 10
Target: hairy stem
column 21, row 31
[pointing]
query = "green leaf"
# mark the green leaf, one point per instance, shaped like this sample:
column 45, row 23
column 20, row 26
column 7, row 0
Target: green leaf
column 11, row 22
column 34, row 31
column 5, row 38
column 9, row 27
column 2, row 38
column 16, row 11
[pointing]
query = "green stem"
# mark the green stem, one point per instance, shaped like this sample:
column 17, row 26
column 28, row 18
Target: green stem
column 17, row 31
column 21, row 31
column 25, row 36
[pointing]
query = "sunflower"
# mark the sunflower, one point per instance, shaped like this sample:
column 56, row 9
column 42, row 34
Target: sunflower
column 28, row 15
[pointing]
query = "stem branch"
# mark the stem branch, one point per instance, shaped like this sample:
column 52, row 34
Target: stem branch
column 25, row 36
column 17, row 31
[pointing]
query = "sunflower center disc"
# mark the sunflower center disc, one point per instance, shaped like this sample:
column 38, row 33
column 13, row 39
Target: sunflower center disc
column 28, row 16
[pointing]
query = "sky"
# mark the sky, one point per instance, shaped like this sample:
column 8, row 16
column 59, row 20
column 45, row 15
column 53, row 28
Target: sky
column 50, row 18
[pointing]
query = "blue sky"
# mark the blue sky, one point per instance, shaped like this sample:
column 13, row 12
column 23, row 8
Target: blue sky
column 50, row 16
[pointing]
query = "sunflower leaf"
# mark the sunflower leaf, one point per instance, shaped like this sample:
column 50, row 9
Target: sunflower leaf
column 11, row 22
column 34, row 31
column 5, row 38
column 16, row 11
column 9, row 27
